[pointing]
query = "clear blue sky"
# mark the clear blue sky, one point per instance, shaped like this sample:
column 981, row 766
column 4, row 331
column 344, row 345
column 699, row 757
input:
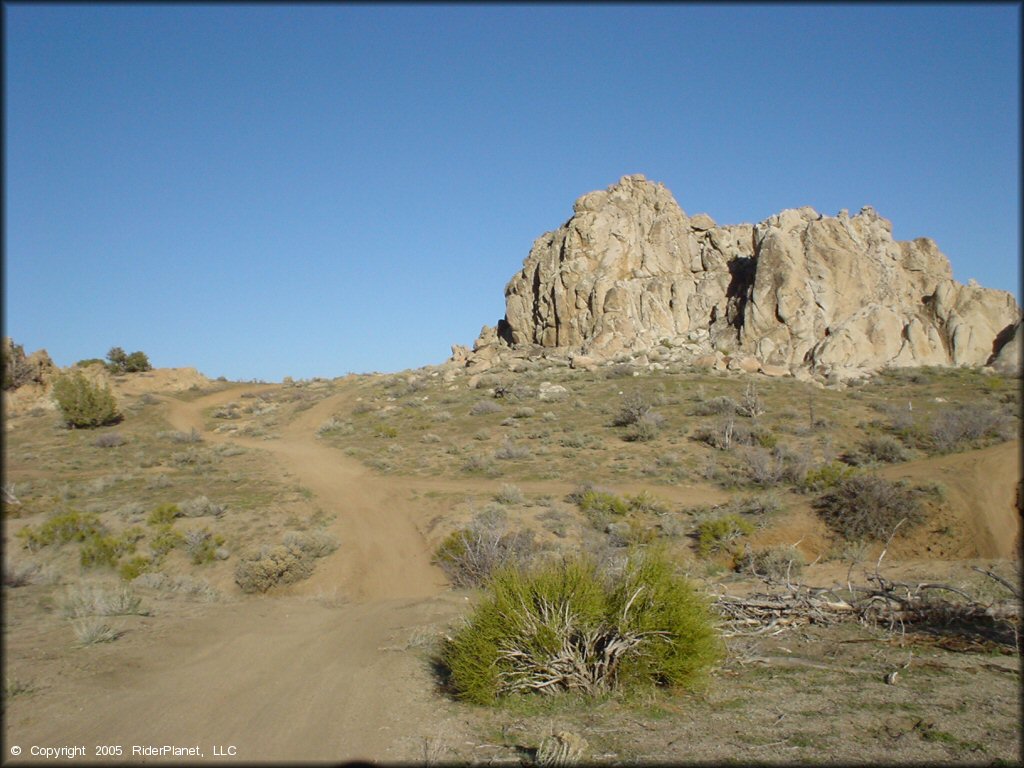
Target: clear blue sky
column 262, row 191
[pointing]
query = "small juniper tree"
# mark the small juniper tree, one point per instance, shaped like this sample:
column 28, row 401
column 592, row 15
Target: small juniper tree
column 122, row 362
column 84, row 404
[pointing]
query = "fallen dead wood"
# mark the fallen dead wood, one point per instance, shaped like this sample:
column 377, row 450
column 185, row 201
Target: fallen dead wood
column 883, row 602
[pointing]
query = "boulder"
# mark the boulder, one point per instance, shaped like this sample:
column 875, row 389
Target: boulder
column 549, row 391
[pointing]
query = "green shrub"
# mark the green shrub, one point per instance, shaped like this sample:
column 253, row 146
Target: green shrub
column 121, row 362
column 717, row 533
column 595, row 502
column 165, row 514
column 89, row 361
column 567, row 627
column 82, row 403
column 134, row 567
column 104, row 551
column 869, row 507
column 645, row 503
column 201, row 546
column 826, row 476
column 62, row 528
column 164, row 541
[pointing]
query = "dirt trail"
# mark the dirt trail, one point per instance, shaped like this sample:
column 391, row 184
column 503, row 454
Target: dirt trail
column 382, row 553
column 286, row 678
column 981, row 489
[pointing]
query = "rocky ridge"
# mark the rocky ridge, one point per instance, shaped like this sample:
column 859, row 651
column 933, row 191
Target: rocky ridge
column 631, row 278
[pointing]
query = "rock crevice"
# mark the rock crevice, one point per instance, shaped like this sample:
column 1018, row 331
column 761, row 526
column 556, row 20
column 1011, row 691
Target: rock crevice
column 630, row 272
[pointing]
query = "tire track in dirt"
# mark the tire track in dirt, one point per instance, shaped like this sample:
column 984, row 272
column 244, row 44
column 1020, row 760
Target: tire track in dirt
column 282, row 678
column 981, row 489
column 382, row 553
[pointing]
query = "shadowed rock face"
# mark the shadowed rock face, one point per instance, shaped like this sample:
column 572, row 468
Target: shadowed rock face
column 631, row 272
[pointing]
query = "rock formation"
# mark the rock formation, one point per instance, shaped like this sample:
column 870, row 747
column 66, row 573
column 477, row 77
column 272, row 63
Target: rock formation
column 21, row 369
column 631, row 276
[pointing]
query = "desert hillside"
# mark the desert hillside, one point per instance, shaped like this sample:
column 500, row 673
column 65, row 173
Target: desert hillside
column 286, row 541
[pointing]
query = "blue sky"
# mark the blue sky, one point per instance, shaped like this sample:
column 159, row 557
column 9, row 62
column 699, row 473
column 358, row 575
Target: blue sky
column 272, row 190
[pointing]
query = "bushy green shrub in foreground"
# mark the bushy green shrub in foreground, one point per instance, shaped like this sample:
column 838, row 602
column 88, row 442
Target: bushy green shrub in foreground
column 567, row 626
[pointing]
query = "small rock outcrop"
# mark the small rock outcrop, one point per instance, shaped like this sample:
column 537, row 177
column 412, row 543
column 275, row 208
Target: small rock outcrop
column 1007, row 360
column 21, row 369
column 630, row 275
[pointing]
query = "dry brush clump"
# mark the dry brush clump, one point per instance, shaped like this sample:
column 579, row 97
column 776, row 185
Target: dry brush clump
column 286, row 563
column 470, row 555
column 780, row 563
column 867, row 506
column 570, row 627
column 634, row 407
column 83, row 600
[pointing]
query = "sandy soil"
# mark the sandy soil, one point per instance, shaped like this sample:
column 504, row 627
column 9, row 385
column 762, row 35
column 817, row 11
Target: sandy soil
column 303, row 676
column 981, row 493
column 324, row 671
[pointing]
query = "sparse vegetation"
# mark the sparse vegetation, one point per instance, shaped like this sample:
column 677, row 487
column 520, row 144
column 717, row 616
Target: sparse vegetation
column 826, row 476
column 104, row 551
column 634, row 408
column 201, row 545
column 882, row 449
column 84, row 599
column 62, row 528
column 484, row 407
column 109, row 440
column 103, row 492
column 509, row 495
column 92, row 630
column 165, row 514
column 17, row 370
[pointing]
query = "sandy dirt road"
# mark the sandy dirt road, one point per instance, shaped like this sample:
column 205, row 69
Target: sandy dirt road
column 981, row 488
column 289, row 678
